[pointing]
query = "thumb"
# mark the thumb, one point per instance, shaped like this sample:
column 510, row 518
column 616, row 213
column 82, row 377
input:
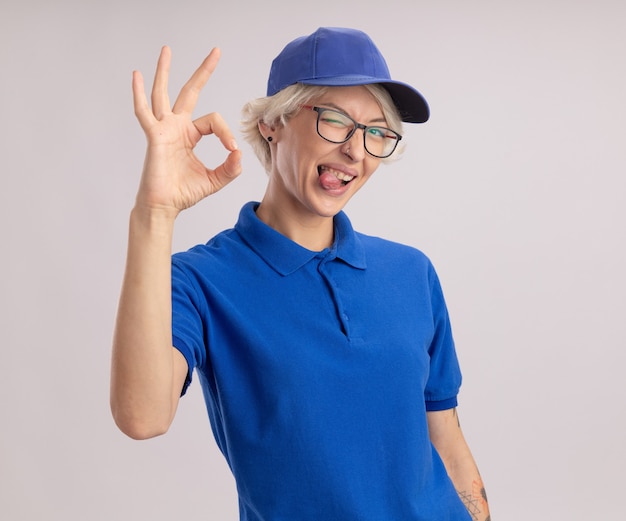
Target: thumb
column 229, row 169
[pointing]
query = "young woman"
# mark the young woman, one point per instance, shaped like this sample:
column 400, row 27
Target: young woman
column 325, row 356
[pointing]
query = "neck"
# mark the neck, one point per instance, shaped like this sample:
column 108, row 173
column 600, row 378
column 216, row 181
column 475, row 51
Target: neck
column 311, row 232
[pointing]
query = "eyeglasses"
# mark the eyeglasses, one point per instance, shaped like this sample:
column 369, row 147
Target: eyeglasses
column 337, row 127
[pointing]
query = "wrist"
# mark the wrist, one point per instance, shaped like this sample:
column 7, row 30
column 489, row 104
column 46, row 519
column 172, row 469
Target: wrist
column 158, row 221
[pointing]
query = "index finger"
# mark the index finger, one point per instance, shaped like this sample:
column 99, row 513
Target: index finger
column 188, row 96
column 215, row 124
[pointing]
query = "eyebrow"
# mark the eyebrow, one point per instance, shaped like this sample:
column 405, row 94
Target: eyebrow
column 343, row 111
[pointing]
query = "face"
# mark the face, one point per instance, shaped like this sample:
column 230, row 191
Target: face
column 311, row 177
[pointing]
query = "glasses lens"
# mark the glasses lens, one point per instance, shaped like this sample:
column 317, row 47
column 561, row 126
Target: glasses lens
column 338, row 128
column 334, row 126
column 380, row 141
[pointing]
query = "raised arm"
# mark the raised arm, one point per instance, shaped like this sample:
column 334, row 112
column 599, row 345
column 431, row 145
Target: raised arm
column 147, row 373
column 448, row 439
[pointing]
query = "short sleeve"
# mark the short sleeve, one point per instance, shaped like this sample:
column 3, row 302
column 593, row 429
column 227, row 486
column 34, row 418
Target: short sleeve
column 444, row 379
column 187, row 324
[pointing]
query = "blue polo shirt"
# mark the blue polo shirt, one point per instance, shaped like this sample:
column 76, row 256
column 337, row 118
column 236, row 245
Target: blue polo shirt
column 317, row 369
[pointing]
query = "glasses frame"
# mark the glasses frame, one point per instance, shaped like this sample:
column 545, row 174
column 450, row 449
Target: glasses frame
column 357, row 125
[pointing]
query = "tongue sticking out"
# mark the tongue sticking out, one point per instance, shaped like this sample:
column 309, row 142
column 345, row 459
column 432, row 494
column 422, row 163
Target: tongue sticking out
column 329, row 181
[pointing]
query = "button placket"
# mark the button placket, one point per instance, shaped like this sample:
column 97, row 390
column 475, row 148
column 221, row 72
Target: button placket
column 342, row 314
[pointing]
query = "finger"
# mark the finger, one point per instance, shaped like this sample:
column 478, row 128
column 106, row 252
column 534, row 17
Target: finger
column 140, row 102
column 228, row 170
column 188, row 96
column 160, row 97
column 215, row 124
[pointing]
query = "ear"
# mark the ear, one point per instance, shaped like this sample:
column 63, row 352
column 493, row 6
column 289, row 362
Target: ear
column 266, row 130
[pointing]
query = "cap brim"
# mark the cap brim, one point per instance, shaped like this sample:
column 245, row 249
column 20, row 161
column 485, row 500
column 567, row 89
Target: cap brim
column 411, row 105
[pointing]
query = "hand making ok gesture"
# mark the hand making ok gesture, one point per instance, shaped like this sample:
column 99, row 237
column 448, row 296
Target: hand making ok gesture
column 173, row 178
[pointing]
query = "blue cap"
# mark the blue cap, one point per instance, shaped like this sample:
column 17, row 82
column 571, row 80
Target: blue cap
column 335, row 57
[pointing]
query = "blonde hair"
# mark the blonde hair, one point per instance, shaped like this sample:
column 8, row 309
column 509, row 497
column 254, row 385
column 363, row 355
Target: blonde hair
column 276, row 110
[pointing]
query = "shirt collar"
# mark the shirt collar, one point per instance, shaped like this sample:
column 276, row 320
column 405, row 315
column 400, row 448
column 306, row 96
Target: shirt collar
column 286, row 256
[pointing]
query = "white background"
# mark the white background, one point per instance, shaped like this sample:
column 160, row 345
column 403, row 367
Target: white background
column 515, row 189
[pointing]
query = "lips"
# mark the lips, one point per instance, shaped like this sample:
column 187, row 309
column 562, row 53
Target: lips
column 332, row 179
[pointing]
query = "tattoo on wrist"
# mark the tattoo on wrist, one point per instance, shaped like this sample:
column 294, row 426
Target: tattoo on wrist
column 470, row 503
column 475, row 501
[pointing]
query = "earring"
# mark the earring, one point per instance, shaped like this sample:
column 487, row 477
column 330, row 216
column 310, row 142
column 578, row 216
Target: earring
column 269, row 138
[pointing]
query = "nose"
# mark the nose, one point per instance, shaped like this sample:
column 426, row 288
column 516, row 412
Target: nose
column 354, row 148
